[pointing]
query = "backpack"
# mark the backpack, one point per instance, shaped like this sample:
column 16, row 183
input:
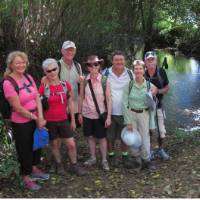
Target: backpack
column 78, row 69
column 47, row 94
column 158, row 76
column 5, row 108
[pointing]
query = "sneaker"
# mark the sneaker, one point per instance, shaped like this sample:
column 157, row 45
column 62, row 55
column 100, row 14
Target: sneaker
column 31, row 185
column 77, row 169
column 105, row 165
column 39, row 175
column 90, row 162
column 153, row 155
column 163, row 155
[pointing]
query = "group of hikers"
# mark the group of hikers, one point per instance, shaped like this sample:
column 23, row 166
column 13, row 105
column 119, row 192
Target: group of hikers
column 102, row 102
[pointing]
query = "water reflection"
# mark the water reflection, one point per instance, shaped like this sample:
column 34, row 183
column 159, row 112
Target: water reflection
column 182, row 102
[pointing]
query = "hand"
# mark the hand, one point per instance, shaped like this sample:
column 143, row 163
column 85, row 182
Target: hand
column 45, row 80
column 154, row 91
column 33, row 116
column 80, row 119
column 73, row 125
column 81, row 79
column 41, row 122
column 108, row 122
column 130, row 127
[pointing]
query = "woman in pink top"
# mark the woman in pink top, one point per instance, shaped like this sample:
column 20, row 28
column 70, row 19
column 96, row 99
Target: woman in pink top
column 58, row 96
column 26, row 115
column 94, row 128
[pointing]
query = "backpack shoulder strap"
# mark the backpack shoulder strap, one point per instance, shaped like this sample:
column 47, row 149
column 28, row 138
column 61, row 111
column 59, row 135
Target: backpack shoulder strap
column 148, row 85
column 28, row 78
column 159, row 77
column 106, row 73
column 130, row 74
column 59, row 68
column 129, row 89
column 78, row 67
column 13, row 82
column 130, row 86
column 63, row 83
column 104, row 82
column 46, row 91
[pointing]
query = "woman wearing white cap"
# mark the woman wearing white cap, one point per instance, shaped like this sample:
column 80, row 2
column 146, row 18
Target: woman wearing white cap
column 135, row 111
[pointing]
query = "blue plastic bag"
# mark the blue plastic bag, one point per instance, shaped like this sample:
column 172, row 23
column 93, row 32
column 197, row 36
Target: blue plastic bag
column 40, row 138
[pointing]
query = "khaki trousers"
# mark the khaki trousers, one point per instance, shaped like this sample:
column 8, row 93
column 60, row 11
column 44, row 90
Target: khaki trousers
column 141, row 124
column 161, row 124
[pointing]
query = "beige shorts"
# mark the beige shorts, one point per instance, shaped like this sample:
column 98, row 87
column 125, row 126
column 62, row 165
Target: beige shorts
column 161, row 124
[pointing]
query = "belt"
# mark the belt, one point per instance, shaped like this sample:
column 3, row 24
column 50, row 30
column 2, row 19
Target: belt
column 140, row 110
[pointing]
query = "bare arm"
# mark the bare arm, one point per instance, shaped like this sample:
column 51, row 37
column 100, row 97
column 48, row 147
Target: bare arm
column 40, row 121
column 17, row 107
column 109, row 104
column 71, row 111
column 163, row 90
column 81, row 97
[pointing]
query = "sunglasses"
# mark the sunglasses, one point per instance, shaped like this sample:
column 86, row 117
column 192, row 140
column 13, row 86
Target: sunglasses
column 95, row 64
column 138, row 62
column 51, row 70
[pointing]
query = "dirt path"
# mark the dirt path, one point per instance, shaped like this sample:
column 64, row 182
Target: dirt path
column 177, row 178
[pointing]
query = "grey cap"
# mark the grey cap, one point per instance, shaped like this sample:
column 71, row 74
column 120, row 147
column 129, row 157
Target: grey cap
column 49, row 61
column 68, row 44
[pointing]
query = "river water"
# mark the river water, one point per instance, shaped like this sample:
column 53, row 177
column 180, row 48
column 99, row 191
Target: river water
column 182, row 103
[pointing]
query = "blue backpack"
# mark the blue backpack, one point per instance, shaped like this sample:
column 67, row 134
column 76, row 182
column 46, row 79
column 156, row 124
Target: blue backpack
column 40, row 138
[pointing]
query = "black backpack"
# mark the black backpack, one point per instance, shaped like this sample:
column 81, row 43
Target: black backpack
column 5, row 108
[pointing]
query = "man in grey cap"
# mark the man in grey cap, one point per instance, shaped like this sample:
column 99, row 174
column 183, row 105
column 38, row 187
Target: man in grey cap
column 158, row 77
column 71, row 71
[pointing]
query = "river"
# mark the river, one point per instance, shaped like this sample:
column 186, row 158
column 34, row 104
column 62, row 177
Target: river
column 182, row 103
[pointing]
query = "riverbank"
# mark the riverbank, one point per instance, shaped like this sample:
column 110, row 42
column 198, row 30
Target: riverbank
column 178, row 178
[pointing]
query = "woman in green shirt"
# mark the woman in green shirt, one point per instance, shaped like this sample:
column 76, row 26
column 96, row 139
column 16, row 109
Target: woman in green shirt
column 136, row 114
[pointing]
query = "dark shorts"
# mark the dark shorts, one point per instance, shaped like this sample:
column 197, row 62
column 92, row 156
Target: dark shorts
column 93, row 127
column 59, row 129
column 114, row 131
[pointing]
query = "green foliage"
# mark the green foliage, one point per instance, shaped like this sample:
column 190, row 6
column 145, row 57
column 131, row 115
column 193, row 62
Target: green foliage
column 40, row 27
column 192, row 137
column 8, row 160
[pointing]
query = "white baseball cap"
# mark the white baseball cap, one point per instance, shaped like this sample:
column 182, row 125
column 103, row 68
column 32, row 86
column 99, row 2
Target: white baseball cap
column 68, row 44
column 150, row 54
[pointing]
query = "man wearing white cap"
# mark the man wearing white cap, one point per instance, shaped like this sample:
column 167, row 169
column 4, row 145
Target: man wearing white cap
column 71, row 71
column 158, row 77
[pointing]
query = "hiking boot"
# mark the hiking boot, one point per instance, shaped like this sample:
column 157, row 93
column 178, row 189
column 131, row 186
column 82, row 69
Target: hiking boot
column 90, row 162
column 31, row 185
column 163, row 155
column 105, row 165
column 117, row 162
column 60, row 169
column 133, row 162
column 77, row 169
column 148, row 165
